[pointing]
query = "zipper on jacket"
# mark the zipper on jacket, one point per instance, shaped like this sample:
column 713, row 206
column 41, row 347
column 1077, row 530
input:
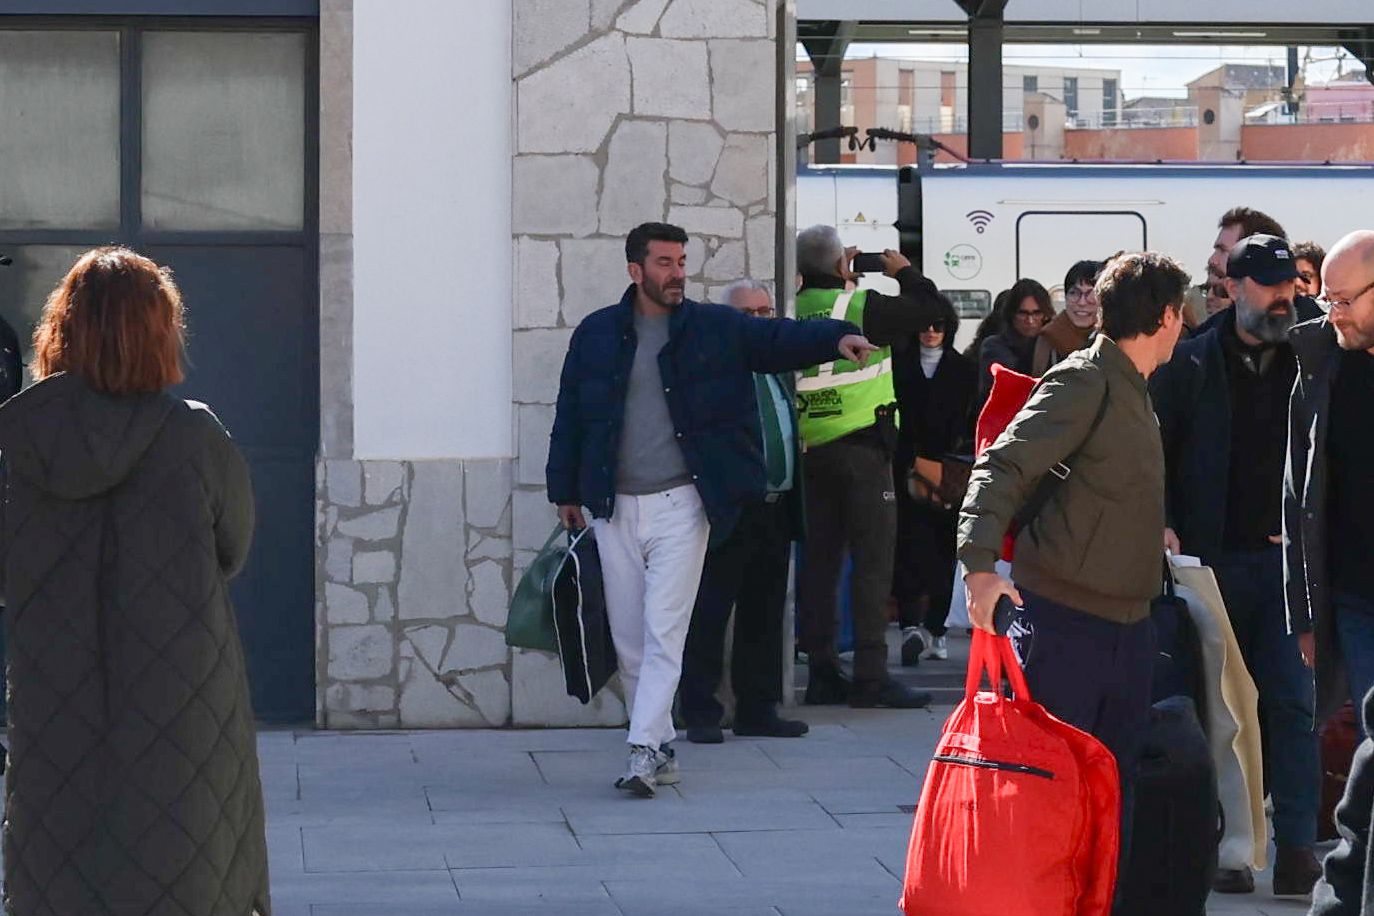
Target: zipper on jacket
column 984, row 763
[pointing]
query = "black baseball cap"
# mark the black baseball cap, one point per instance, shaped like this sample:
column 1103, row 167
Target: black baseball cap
column 1266, row 259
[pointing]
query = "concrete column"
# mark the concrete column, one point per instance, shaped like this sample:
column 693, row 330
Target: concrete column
column 985, row 85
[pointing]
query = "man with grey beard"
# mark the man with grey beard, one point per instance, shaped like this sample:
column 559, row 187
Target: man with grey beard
column 1222, row 404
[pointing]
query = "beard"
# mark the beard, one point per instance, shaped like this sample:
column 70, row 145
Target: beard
column 1269, row 325
column 1353, row 337
column 666, row 296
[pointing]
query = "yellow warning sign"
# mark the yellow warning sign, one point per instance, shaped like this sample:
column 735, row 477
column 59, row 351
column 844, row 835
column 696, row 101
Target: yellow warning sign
column 860, row 218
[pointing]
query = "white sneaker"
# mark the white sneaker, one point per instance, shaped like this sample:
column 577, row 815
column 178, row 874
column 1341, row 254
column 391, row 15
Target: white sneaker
column 666, row 773
column 938, row 649
column 639, row 778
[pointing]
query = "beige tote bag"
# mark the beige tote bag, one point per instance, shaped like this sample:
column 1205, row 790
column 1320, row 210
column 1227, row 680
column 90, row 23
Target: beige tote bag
column 1232, row 720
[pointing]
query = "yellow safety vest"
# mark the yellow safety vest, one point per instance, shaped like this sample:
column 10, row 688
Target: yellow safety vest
column 840, row 397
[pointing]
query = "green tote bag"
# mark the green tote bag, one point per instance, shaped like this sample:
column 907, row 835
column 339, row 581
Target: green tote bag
column 530, row 623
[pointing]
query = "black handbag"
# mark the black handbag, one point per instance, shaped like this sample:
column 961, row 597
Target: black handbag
column 580, row 623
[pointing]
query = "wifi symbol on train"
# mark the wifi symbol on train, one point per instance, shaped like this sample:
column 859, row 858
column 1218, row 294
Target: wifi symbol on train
column 980, row 219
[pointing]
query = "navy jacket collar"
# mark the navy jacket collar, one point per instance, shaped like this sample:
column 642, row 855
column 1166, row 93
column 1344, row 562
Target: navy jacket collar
column 625, row 311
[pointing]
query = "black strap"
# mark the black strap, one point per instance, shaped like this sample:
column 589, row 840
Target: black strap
column 1056, row 475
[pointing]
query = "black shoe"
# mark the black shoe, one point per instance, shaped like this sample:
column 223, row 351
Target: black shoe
column 827, row 686
column 771, row 726
column 705, row 734
column 1296, row 871
column 1234, row 881
column 914, row 646
column 887, row 693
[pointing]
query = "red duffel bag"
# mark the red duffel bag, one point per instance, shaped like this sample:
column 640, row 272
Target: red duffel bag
column 1020, row 813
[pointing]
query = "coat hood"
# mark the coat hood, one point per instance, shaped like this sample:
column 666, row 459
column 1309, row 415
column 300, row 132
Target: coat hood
column 76, row 443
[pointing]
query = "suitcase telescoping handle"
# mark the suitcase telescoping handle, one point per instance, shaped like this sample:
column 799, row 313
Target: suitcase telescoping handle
column 995, row 655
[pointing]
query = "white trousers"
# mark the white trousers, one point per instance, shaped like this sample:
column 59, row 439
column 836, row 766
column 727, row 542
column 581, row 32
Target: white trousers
column 652, row 550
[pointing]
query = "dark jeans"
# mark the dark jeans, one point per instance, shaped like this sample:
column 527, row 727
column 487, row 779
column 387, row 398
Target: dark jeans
column 1355, row 632
column 850, row 509
column 1252, row 585
column 748, row 573
column 1095, row 675
column 923, row 565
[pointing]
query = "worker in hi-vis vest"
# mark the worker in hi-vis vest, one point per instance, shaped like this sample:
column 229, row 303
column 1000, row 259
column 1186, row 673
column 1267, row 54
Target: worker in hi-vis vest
column 847, row 415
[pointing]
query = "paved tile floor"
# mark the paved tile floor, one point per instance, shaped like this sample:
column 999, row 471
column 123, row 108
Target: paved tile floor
column 499, row 823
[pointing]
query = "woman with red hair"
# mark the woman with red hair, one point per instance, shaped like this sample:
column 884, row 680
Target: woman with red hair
column 133, row 780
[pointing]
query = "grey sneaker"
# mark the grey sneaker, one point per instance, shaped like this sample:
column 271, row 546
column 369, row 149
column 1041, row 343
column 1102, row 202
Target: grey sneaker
column 639, row 778
column 938, row 649
column 667, row 772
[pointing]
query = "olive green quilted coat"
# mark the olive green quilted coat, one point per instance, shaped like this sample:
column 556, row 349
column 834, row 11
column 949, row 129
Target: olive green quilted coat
column 133, row 781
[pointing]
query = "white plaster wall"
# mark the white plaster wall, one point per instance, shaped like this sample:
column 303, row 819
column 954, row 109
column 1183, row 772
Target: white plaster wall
column 432, row 228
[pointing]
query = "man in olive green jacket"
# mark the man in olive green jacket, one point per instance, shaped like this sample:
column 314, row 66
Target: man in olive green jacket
column 1089, row 562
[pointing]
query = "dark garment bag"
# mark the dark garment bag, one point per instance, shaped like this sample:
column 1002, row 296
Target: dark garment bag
column 1177, row 669
column 579, row 618
column 1175, row 829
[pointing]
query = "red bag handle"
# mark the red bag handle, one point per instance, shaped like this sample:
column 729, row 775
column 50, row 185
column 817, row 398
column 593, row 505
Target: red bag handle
column 994, row 655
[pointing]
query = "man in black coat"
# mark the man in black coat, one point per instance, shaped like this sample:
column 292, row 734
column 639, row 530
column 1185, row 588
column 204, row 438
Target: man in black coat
column 1222, row 404
column 655, row 431
column 1329, row 537
column 748, row 574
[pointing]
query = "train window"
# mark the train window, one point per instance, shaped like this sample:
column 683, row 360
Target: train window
column 970, row 303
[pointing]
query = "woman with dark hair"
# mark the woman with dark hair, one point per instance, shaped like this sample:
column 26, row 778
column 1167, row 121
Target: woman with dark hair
column 935, row 385
column 1025, row 313
column 133, row 782
column 991, row 324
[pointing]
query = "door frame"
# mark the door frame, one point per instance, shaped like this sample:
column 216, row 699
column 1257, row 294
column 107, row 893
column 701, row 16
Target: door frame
column 131, row 232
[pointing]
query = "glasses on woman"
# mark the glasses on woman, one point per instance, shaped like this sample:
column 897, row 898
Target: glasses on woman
column 936, row 327
column 1334, row 304
column 1080, row 295
column 1030, row 314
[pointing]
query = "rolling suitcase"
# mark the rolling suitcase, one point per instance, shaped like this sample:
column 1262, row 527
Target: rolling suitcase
column 1340, row 735
column 1174, row 830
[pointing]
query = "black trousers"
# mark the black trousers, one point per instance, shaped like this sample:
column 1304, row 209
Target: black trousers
column 923, row 567
column 851, row 510
column 748, row 572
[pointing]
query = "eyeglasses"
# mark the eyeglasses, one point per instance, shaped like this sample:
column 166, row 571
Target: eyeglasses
column 1035, row 315
column 1080, row 295
column 1334, row 304
column 937, row 327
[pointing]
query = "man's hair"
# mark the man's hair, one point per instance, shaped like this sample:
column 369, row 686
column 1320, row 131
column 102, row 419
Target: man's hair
column 116, row 321
column 1082, row 272
column 727, row 294
column 1310, row 252
column 819, row 249
column 1020, row 291
column 1251, row 222
column 1135, row 290
column 637, row 242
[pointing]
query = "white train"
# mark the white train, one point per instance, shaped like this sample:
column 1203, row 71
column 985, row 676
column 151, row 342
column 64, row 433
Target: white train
column 975, row 229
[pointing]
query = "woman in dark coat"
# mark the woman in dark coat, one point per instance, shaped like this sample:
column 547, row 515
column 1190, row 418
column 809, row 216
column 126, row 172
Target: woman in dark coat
column 133, row 778
column 1026, row 312
column 935, row 387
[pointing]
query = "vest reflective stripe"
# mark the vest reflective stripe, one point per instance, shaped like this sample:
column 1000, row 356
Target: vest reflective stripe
column 840, row 397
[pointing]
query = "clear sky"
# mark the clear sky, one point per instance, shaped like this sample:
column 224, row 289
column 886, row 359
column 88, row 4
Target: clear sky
column 1155, row 70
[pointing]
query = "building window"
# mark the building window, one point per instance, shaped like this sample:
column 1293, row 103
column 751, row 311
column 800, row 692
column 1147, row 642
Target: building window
column 1030, row 84
column 1071, row 95
column 1108, row 103
column 947, row 88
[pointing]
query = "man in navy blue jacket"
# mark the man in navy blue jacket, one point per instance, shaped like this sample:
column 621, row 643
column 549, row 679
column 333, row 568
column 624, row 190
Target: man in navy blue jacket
column 656, row 432
column 1222, row 403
